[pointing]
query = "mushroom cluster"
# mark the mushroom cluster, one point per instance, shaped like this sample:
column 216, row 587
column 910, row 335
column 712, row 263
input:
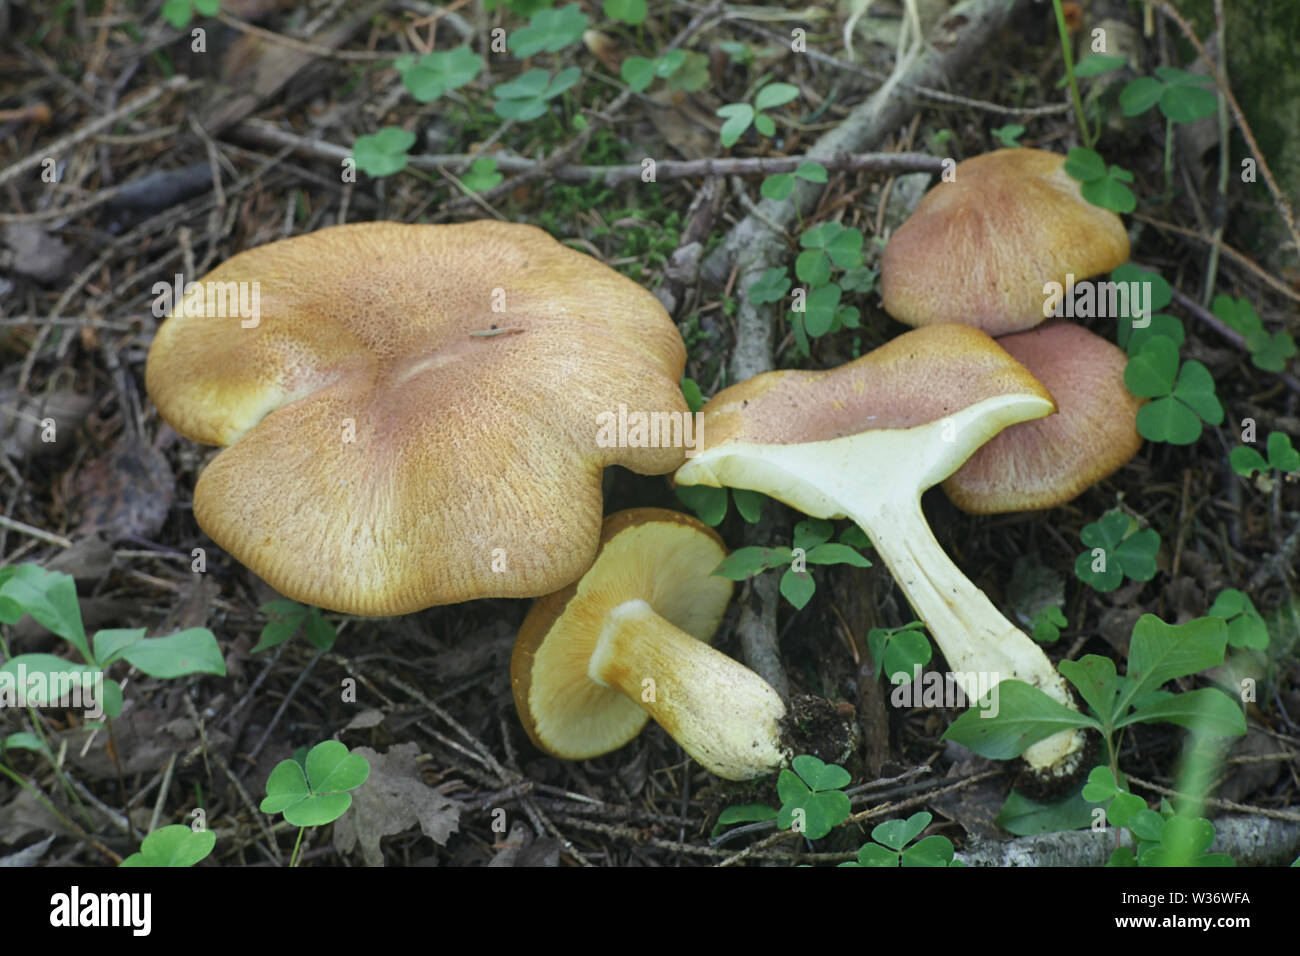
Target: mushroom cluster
column 986, row 249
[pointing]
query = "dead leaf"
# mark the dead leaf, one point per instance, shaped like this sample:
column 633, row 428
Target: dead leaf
column 394, row 799
column 35, row 253
column 125, row 493
column 367, row 718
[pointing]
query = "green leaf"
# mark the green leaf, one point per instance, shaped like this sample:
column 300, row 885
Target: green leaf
column 286, row 786
column 331, row 767
column 1023, row 817
column 51, row 599
column 738, row 116
column 820, row 310
column 1246, row 627
column 1025, row 716
column 1187, row 104
column 899, row 650
column 631, row 12
column 855, row 537
column 192, row 651
column 549, row 31
column 709, row 504
column 1271, row 352
column 934, row 850
column 1140, row 95
column 822, row 811
column 315, row 795
column 1147, row 825
column 1008, row 136
column 820, row 775
column 1205, row 711
column 873, row 854
column 109, row 642
column 319, row 632
column 1281, row 454
column 897, row 834
column 1098, row 684
column 174, row 845
column 1123, row 808
column 778, row 186
column 1196, row 390
column 1168, row 420
column 775, row 94
column 1085, row 165
column 748, row 503
column 845, row 248
column 798, row 587
column 383, row 153
column 813, row 267
column 1109, row 192
column 771, row 286
column 812, row 172
column 747, row 813
column 50, row 681
column 436, row 73
column 1101, row 785
column 638, row 72
column 744, row 563
column 209, row 8
column 858, row 279
column 837, row 554
column 1153, row 371
column 482, row 175
column 1160, row 652
column 178, row 13
column 1137, row 554
column 1239, row 314
column 1046, row 625
column 811, row 532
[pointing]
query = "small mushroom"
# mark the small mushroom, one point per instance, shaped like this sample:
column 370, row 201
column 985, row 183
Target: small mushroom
column 1045, row 463
column 412, row 417
column 629, row 641
column 863, row 441
column 979, row 249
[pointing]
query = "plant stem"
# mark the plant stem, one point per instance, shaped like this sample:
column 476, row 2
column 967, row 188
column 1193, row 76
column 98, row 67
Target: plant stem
column 1069, row 72
column 297, row 845
column 1169, row 158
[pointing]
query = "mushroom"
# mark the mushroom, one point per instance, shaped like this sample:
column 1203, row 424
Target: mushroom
column 982, row 250
column 1044, row 463
column 863, row 441
column 984, row 245
column 629, row 641
column 414, row 417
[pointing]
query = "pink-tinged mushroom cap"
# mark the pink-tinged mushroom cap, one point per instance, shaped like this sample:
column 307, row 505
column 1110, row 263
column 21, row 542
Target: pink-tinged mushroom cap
column 1047, row 462
column 980, row 249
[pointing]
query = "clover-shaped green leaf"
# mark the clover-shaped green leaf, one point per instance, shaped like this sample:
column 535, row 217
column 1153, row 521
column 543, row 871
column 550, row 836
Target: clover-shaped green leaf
column 525, row 97
column 179, row 12
column 1183, row 398
column 899, row 650
column 1046, row 624
column 771, row 286
column 482, row 175
column 811, row 798
column 780, row 185
column 1100, row 184
column 549, row 31
column 435, row 73
column 315, row 794
column 897, row 834
column 738, row 117
column 174, row 845
column 1117, row 550
column 631, row 12
column 383, row 153
column 1008, row 136
column 1246, row 628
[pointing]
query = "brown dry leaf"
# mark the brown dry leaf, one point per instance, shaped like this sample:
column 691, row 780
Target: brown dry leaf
column 394, row 799
column 687, row 128
column 35, row 253
column 126, row 492
column 147, row 736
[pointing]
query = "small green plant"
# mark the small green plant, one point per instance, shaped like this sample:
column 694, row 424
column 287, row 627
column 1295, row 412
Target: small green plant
column 1102, row 185
column 812, row 545
column 175, row 845
column 1158, row 653
column 436, row 73
column 1246, row 627
column 549, row 31
column 383, row 153
column 284, row 617
column 710, row 504
column 771, row 286
column 781, row 185
column 899, row 650
column 1183, row 97
column 1160, row 839
column 631, row 12
column 481, row 176
column 739, row 117
column 813, row 801
column 1046, row 625
column 1268, row 351
column 179, row 12
column 51, row 599
column 891, row 847
column 1132, row 332
column 744, row 813
column 311, row 789
column 1117, row 550
column 1008, row 136
column 526, row 96
column 1183, row 397
column 1282, row 456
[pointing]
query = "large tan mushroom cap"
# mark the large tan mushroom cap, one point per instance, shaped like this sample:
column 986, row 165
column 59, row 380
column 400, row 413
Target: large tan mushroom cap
column 384, row 458
column 661, row 557
column 981, row 248
column 1047, row 462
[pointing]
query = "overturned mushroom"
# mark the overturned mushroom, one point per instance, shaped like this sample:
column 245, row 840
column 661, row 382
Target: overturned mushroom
column 629, row 641
column 864, row 441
